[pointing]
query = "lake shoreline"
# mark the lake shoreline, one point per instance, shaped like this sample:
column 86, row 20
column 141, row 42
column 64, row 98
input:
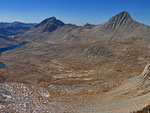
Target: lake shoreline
column 2, row 65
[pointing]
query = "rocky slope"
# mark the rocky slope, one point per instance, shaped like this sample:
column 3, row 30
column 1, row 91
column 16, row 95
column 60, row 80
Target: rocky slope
column 144, row 110
column 145, row 76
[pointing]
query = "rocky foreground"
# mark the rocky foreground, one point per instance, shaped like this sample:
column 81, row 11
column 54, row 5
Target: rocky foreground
column 25, row 98
column 129, row 94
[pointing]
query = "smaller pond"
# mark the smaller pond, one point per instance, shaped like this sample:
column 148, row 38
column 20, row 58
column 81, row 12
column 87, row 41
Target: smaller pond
column 2, row 65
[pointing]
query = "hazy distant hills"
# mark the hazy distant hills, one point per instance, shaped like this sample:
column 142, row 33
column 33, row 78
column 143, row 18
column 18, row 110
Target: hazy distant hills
column 9, row 29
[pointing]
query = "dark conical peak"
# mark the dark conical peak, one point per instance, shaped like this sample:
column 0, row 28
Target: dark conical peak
column 87, row 25
column 48, row 20
column 16, row 22
column 50, row 24
column 119, row 21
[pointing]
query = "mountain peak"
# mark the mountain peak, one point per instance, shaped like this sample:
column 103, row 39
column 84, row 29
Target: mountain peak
column 50, row 24
column 119, row 21
column 52, row 18
column 124, row 13
column 16, row 22
column 87, row 25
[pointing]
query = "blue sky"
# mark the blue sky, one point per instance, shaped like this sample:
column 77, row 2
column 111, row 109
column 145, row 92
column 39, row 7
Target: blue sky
column 73, row 11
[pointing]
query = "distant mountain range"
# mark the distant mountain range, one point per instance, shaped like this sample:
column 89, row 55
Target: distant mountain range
column 120, row 27
column 9, row 29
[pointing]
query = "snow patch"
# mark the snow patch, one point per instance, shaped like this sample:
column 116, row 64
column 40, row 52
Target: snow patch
column 45, row 94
